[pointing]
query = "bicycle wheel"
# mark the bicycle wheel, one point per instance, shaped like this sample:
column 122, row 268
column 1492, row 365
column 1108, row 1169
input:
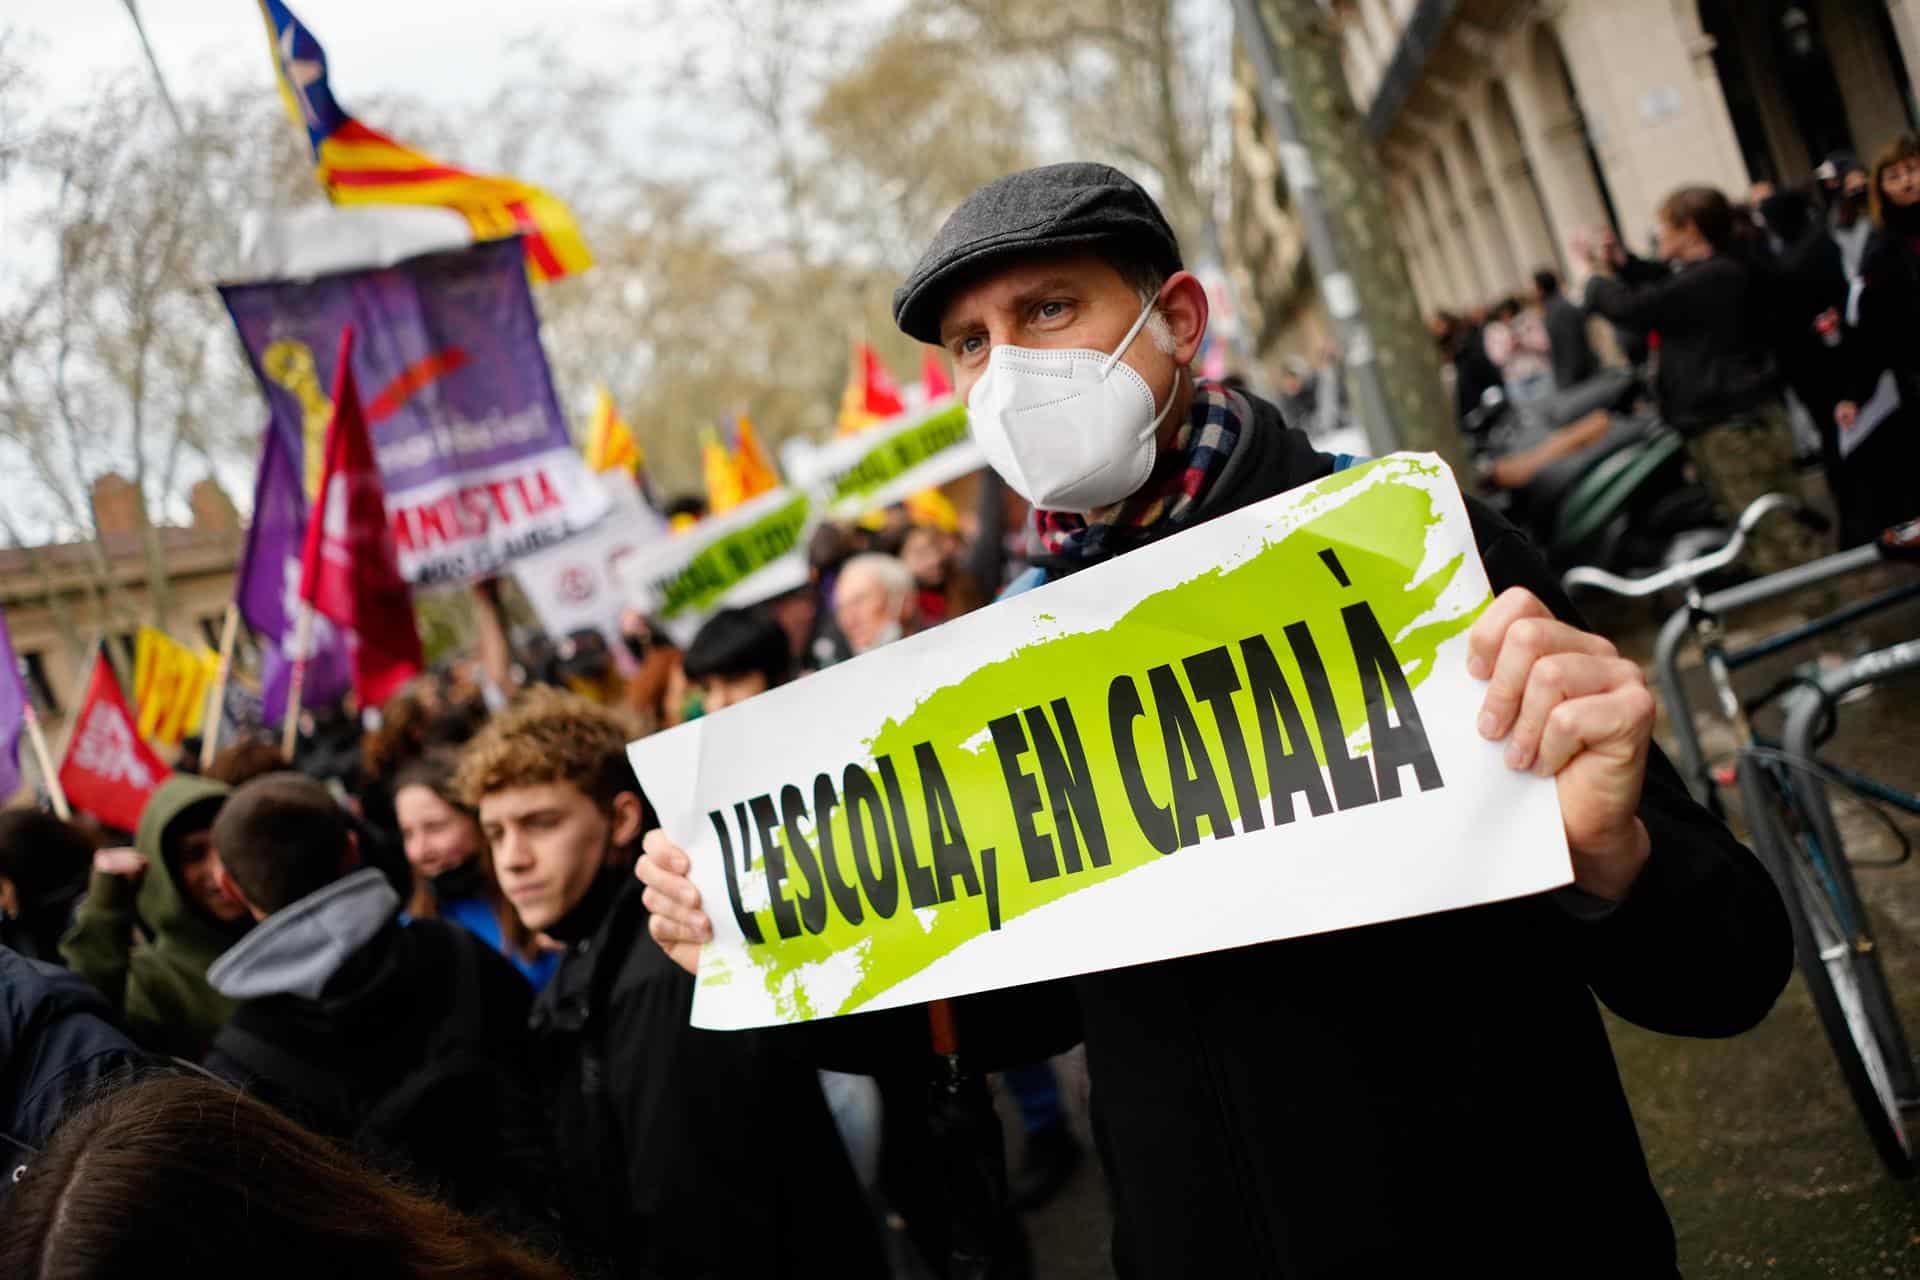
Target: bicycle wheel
column 1831, row 963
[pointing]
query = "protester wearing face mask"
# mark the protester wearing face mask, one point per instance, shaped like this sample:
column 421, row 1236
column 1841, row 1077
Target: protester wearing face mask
column 1255, row 1108
column 873, row 601
column 1719, row 385
column 166, row 885
column 452, row 874
column 1884, row 317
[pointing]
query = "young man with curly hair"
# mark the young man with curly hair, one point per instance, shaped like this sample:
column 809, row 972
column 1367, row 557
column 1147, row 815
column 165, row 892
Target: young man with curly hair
column 685, row 1152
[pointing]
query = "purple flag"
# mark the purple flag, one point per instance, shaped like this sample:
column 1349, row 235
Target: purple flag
column 474, row 454
column 269, row 580
column 13, row 714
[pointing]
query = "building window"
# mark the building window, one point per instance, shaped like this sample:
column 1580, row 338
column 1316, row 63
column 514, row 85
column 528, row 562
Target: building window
column 34, row 669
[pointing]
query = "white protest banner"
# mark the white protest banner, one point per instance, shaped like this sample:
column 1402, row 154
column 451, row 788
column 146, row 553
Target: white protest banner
column 1257, row 729
column 752, row 553
column 923, row 447
column 575, row 585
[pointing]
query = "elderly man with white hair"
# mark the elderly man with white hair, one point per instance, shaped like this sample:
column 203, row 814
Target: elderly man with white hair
column 873, row 601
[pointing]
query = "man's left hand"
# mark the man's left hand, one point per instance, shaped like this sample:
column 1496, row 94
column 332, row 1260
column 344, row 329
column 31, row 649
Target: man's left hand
column 1572, row 709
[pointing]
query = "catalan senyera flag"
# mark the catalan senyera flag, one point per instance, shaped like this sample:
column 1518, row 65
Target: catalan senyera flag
column 359, row 165
column 871, row 395
column 721, row 473
column 610, row 444
column 750, row 462
column 170, row 683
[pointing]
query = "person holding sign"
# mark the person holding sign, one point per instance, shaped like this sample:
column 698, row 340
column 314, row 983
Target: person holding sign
column 1373, row 1101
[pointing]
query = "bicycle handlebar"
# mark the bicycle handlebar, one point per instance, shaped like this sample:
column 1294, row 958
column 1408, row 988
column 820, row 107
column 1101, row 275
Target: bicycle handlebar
column 1686, row 571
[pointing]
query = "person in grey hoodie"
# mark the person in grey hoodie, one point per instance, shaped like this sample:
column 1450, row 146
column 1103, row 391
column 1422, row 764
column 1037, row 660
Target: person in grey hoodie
column 406, row 1040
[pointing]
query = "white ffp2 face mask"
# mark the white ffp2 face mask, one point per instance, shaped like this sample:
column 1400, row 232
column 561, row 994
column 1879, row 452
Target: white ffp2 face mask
column 1070, row 429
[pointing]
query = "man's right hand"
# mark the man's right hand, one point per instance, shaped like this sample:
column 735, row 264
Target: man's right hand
column 1845, row 414
column 675, row 918
column 129, row 863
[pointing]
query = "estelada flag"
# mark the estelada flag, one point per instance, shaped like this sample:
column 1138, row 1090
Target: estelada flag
column 871, row 395
column 750, row 462
column 934, row 382
column 358, row 165
column 108, row 771
column 610, row 444
column 349, row 571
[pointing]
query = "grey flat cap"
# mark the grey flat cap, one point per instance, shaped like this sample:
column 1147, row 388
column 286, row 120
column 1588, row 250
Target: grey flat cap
column 1056, row 207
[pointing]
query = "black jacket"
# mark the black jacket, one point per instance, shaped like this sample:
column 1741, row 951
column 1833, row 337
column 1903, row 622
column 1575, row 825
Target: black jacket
column 58, row 1045
column 1717, row 321
column 417, row 1053
column 687, row 1153
column 1573, row 358
column 1394, row 1099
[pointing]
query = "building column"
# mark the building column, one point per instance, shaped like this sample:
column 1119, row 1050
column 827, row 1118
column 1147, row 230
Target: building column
column 1906, row 29
column 1504, row 159
column 1497, row 272
column 1554, row 142
column 1413, row 249
column 1449, row 234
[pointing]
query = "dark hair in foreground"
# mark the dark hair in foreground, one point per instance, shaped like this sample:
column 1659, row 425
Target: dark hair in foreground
column 40, row 853
column 281, row 837
column 197, row 1179
column 735, row 642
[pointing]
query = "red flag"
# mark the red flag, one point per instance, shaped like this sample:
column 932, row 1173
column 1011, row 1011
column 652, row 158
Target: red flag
column 933, row 374
column 349, row 572
column 871, row 395
column 108, row 771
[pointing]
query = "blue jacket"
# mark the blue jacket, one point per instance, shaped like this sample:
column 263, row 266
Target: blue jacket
column 475, row 915
column 57, row 1045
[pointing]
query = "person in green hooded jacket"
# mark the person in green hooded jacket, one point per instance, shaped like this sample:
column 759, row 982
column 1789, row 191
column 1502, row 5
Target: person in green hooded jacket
column 155, row 917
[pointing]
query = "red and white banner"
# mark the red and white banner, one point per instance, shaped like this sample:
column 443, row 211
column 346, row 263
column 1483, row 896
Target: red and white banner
column 108, row 771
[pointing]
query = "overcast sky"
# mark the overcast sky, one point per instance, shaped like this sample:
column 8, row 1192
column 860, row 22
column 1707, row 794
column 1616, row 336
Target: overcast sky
column 446, row 51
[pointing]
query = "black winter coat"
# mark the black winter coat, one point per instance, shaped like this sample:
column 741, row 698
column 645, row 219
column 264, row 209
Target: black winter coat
column 58, row 1045
column 1424, row 1096
column 1718, row 323
column 686, row 1153
column 416, row 1052
column 1573, row 358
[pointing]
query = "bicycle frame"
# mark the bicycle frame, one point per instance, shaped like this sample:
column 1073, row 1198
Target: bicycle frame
column 1700, row 617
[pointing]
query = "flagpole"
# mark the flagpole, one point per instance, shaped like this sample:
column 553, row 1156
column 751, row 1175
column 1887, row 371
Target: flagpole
column 48, row 775
column 216, row 707
column 296, row 686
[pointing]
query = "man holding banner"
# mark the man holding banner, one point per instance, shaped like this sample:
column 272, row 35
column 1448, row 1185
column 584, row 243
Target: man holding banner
column 1362, row 1101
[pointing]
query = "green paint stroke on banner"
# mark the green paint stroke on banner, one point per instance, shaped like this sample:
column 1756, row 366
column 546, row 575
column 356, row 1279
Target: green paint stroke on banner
column 716, row 569
column 899, row 454
column 1045, row 788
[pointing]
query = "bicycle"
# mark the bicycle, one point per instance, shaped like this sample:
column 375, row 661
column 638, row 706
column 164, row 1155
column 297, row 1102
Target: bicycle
column 1783, row 788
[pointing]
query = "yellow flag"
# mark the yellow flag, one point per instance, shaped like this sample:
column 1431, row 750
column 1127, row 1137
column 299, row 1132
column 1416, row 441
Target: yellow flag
column 610, row 444
column 722, row 474
column 170, row 683
column 751, row 463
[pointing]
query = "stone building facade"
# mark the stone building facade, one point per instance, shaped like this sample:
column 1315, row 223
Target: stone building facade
column 58, row 600
column 1507, row 129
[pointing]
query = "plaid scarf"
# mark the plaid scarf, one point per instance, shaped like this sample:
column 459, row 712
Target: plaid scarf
column 1168, row 500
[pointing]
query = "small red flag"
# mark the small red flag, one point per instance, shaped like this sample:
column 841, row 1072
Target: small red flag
column 883, row 393
column 933, row 374
column 108, row 771
column 349, row 571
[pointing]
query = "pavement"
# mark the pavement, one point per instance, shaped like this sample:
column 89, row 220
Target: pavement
column 1752, row 1142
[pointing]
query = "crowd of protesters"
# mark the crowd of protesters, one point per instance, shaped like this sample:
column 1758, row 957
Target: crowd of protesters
column 415, row 1002
column 1774, row 331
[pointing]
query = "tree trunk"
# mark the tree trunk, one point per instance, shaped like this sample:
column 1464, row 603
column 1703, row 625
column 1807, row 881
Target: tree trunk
column 1307, row 51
